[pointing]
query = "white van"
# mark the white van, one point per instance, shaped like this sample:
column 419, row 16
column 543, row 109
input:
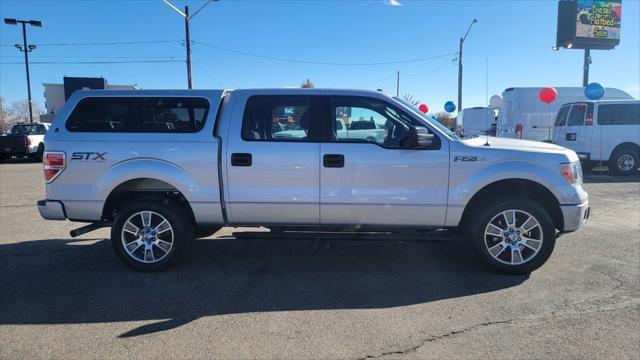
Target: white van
column 607, row 131
column 476, row 120
column 524, row 116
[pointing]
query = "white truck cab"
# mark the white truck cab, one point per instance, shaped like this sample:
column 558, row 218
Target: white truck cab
column 160, row 167
column 602, row 131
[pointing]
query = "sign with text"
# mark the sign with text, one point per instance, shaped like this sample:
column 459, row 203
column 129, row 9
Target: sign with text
column 589, row 24
column 598, row 19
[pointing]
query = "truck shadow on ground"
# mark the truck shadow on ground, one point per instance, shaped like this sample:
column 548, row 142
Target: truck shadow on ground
column 594, row 177
column 82, row 281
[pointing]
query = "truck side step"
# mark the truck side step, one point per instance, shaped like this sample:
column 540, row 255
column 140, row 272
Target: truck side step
column 436, row 235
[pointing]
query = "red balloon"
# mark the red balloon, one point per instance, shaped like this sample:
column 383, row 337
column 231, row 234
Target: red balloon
column 424, row 108
column 548, row 95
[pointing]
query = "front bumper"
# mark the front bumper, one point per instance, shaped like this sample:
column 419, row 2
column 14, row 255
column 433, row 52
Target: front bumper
column 575, row 216
column 52, row 210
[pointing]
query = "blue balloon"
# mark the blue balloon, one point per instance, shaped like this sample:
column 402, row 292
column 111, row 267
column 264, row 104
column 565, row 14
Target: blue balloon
column 594, row 91
column 449, row 106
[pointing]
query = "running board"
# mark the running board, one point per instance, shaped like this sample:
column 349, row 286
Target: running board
column 89, row 228
column 436, row 235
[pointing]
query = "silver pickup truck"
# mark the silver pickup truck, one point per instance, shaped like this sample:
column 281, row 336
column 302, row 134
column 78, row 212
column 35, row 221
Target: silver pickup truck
column 160, row 167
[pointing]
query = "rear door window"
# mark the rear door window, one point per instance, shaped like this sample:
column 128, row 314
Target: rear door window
column 561, row 118
column 619, row 114
column 576, row 116
column 139, row 114
column 278, row 118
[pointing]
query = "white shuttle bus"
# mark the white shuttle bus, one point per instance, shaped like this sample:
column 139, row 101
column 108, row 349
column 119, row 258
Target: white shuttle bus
column 523, row 116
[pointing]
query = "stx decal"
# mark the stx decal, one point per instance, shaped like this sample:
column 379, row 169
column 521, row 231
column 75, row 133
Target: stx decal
column 89, row 156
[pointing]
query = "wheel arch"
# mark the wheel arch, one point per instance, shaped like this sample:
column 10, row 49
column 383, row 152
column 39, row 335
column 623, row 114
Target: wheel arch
column 624, row 145
column 139, row 188
column 531, row 189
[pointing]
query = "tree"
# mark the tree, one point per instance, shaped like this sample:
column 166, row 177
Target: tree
column 409, row 98
column 307, row 84
column 20, row 110
column 446, row 119
column 6, row 117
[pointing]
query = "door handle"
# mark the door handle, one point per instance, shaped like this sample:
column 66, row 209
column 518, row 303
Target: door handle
column 333, row 160
column 241, row 159
column 571, row 137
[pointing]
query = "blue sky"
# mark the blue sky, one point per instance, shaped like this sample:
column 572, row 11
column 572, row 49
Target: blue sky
column 513, row 37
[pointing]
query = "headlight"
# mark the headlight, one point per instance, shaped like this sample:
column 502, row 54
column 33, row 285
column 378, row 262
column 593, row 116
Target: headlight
column 572, row 172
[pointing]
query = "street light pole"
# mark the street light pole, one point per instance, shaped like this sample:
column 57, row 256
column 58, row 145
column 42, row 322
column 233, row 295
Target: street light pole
column 187, row 19
column 26, row 49
column 585, row 69
column 26, row 64
column 462, row 39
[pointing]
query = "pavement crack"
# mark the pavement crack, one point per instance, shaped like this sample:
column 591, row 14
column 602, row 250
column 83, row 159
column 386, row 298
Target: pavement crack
column 432, row 338
column 435, row 338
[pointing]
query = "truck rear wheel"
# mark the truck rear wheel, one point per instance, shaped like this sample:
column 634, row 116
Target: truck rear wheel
column 625, row 161
column 148, row 233
column 512, row 234
column 40, row 152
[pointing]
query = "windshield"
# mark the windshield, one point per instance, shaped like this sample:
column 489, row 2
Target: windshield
column 429, row 119
column 23, row 129
column 36, row 129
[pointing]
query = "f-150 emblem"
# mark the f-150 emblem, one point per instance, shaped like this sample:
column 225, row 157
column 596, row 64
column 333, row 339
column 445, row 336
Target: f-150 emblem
column 466, row 158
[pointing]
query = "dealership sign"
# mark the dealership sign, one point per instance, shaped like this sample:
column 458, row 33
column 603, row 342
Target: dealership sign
column 589, row 24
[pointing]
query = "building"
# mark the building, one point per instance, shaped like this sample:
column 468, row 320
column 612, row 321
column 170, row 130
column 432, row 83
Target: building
column 57, row 94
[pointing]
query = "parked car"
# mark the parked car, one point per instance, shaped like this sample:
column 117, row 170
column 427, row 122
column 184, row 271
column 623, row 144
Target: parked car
column 476, row 120
column 523, row 116
column 492, row 130
column 23, row 140
column 606, row 131
column 221, row 165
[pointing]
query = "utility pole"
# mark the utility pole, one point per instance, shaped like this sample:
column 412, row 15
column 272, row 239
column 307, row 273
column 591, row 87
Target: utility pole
column 187, row 19
column 462, row 39
column 188, row 46
column 26, row 49
column 587, row 62
column 398, row 84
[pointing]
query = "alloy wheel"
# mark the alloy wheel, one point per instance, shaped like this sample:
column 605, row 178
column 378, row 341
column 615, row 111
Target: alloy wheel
column 147, row 237
column 513, row 237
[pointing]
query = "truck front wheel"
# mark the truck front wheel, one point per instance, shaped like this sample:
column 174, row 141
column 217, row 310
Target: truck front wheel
column 513, row 234
column 148, row 233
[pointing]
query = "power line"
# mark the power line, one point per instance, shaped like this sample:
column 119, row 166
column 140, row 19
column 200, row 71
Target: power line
column 244, row 53
column 106, row 43
column 431, row 71
column 92, row 62
column 440, row 67
column 300, row 61
column 97, row 57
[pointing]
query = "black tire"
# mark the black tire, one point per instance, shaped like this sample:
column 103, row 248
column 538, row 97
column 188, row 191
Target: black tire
column 2, row 159
column 625, row 161
column 40, row 152
column 587, row 165
column 181, row 231
column 489, row 211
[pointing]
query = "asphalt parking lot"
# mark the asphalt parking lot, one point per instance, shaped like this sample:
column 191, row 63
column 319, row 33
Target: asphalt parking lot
column 286, row 298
